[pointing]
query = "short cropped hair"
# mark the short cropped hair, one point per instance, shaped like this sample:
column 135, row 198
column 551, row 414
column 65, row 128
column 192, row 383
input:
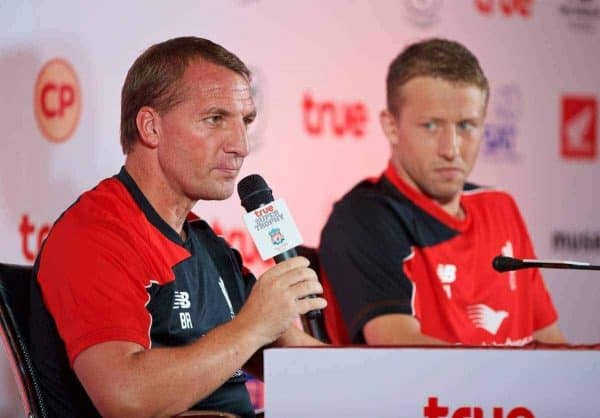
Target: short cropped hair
column 437, row 58
column 154, row 78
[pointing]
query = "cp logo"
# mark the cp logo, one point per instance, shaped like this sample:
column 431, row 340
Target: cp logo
column 57, row 100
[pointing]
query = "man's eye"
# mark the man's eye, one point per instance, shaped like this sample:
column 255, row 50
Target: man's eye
column 430, row 126
column 248, row 120
column 466, row 126
column 214, row 120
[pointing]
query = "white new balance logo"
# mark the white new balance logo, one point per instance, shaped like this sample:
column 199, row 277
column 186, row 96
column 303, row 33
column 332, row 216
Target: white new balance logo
column 447, row 275
column 485, row 317
column 182, row 300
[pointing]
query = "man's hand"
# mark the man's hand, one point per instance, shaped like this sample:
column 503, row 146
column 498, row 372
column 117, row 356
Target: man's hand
column 279, row 296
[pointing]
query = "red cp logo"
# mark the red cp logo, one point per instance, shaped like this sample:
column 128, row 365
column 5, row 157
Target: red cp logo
column 578, row 127
column 57, row 100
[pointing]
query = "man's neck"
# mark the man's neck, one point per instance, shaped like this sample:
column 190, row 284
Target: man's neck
column 453, row 208
column 171, row 208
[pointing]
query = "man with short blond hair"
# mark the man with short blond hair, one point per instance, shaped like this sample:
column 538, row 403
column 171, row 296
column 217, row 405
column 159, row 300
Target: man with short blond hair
column 408, row 255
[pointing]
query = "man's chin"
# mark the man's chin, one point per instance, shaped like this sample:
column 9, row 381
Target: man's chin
column 221, row 192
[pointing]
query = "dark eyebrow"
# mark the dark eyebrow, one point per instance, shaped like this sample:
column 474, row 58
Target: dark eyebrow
column 251, row 116
column 217, row 111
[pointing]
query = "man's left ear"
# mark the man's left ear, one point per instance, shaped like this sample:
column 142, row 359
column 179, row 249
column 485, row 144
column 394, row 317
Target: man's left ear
column 148, row 125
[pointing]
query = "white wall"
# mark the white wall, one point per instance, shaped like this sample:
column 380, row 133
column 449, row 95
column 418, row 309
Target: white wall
column 335, row 51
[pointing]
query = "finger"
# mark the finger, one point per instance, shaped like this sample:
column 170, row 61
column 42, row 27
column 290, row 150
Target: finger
column 306, row 288
column 311, row 304
column 298, row 275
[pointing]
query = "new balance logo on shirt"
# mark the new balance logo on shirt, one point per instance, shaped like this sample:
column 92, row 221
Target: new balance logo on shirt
column 181, row 300
column 447, row 275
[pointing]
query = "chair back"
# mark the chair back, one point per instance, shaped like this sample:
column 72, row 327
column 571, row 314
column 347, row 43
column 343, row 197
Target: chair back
column 14, row 320
column 332, row 324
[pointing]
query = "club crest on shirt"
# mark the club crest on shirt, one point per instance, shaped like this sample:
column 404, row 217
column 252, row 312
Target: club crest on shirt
column 447, row 275
column 485, row 317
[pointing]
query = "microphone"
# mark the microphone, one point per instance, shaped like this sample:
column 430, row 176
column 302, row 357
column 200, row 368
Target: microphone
column 502, row 264
column 255, row 195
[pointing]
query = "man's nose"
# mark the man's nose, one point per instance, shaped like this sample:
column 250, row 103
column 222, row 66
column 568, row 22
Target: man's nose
column 238, row 141
column 449, row 143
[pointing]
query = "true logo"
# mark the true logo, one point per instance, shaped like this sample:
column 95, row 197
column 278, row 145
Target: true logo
column 434, row 410
column 57, row 100
column 508, row 8
column 340, row 119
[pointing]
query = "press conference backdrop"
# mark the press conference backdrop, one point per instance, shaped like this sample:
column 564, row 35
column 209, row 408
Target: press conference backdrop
column 319, row 70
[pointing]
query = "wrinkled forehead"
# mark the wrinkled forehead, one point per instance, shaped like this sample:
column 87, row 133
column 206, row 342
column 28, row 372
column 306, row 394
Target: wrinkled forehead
column 235, row 91
column 210, row 81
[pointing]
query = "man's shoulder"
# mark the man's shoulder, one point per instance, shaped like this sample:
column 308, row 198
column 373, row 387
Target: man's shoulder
column 487, row 195
column 372, row 195
column 108, row 207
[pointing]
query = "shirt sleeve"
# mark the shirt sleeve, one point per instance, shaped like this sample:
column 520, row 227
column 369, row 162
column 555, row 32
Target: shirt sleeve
column 91, row 284
column 362, row 252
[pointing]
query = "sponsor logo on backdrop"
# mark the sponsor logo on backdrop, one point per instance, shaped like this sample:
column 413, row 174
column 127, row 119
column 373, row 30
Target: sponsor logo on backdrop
column 256, row 131
column 57, row 100
column 500, row 135
column 434, row 410
column 423, row 13
column 578, row 133
column 340, row 119
column 581, row 15
column 507, row 8
column 32, row 236
column 576, row 242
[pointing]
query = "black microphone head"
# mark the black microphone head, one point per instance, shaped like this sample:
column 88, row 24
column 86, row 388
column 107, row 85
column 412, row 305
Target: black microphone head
column 502, row 263
column 254, row 192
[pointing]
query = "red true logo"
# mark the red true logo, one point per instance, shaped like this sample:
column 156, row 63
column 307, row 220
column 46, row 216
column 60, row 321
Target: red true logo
column 57, row 100
column 507, row 7
column 578, row 136
column 434, row 410
column 263, row 211
column 343, row 118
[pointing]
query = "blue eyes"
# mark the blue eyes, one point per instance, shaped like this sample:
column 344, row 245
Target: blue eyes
column 466, row 126
column 430, row 126
column 463, row 126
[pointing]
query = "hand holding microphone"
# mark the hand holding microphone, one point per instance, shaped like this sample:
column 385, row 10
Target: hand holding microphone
column 291, row 286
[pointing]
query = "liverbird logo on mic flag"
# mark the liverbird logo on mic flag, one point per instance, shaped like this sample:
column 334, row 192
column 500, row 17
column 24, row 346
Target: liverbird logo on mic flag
column 277, row 237
column 485, row 317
